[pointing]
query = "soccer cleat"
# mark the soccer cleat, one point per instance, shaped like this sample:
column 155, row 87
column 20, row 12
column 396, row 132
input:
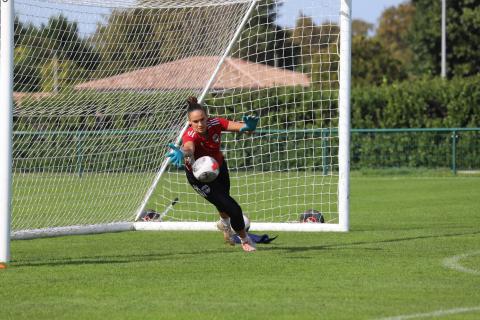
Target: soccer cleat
column 248, row 246
column 227, row 233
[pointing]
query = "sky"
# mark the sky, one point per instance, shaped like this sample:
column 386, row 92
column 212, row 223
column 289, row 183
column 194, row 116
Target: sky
column 368, row 10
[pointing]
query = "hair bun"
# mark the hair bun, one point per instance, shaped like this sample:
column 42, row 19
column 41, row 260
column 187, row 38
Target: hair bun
column 192, row 101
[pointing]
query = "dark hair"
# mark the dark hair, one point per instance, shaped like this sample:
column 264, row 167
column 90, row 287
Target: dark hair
column 193, row 105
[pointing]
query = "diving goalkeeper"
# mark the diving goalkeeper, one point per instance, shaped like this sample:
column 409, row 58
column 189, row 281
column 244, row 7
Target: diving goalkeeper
column 203, row 138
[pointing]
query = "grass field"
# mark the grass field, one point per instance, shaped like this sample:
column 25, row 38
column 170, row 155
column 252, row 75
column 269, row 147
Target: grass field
column 45, row 200
column 413, row 252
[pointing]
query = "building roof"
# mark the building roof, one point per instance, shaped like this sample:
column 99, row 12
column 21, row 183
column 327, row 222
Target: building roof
column 194, row 73
column 19, row 97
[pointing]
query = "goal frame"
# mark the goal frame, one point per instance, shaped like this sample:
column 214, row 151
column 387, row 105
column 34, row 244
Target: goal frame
column 6, row 143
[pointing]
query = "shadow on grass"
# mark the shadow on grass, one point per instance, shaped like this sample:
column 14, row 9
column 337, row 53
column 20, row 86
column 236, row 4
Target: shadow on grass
column 360, row 243
column 148, row 257
column 117, row 259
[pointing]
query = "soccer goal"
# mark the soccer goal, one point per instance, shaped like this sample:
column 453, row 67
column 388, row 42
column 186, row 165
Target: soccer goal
column 97, row 90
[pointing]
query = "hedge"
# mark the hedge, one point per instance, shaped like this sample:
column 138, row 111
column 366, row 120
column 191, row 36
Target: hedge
column 287, row 140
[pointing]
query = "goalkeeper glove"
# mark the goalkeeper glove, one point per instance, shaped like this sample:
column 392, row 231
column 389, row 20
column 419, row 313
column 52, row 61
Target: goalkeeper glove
column 250, row 123
column 176, row 156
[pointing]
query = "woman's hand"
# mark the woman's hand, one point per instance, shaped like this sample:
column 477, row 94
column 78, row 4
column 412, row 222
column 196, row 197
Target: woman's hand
column 175, row 155
column 250, row 123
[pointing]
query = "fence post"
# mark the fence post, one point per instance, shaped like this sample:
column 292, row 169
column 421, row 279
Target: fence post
column 325, row 164
column 454, row 152
column 79, row 153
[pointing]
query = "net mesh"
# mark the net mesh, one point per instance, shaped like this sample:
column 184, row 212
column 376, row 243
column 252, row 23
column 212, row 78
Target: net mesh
column 100, row 90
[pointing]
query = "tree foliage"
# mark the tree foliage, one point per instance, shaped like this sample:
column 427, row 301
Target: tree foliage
column 136, row 38
column 264, row 41
column 129, row 40
column 53, row 56
column 26, row 73
column 36, row 49
column 384, row 57
column 463, row 37
column 373, row 63
column 393, row 31
column 361, row 28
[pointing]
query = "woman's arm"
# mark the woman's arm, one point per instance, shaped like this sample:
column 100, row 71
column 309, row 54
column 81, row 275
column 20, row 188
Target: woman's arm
column 235, row 126
column 188, row 152
column 249, row 124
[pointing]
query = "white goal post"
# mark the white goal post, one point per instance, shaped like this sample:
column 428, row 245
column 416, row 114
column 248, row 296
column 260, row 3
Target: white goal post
column 92, row 92
column 6, row 107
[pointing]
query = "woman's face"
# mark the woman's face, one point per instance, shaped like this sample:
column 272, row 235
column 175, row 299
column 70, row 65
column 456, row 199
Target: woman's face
column 198, row 121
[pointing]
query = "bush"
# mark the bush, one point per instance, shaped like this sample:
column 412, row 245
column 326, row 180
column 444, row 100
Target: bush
column 75, row 131
column 425, row 103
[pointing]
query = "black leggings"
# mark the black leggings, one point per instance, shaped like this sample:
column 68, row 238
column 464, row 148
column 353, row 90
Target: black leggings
column 217, row 193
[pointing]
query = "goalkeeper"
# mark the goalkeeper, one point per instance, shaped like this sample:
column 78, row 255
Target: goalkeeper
column 203, row 138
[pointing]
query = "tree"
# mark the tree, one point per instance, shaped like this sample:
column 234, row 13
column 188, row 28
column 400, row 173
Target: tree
column 380, row 58
column 26, row 73
column 263, row 41
column 361, row 28
column 318, row 46
column 128, row 41
column 57, row 75
column 463, row 37
column 372, row 63
column 393, row 31
column 38, row 49
column 28, row 55
column 144, row 37
column 63, row 41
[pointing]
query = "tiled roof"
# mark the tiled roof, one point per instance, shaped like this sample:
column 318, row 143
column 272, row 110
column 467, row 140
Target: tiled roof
column 194, row 73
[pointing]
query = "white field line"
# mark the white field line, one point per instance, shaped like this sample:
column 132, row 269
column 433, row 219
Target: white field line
column 437, row 313
column 454, row 263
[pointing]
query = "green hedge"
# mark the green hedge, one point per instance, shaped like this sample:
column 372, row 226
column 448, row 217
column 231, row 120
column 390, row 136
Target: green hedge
column 425, row 103
column 78, row 132
column 55, row 133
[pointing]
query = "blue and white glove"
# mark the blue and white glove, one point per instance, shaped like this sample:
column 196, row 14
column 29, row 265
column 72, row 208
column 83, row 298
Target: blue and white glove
column 250, row 123
column 176, row 156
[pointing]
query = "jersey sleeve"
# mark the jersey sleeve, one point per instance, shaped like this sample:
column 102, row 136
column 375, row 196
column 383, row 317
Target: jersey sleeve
column 223, row 123
column 188, row 136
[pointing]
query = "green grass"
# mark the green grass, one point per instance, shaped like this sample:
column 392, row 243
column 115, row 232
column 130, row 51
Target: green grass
column 389, row 264
column 44, row 200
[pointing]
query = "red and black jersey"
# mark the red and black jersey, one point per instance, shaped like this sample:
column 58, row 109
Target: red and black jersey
column 209, row 144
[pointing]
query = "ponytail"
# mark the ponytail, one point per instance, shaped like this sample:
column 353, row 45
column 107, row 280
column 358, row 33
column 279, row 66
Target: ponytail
column 193, row 105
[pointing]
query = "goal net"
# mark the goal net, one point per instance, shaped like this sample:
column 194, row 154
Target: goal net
column 100, row 89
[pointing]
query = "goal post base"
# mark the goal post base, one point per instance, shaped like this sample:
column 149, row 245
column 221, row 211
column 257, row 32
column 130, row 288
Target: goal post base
column 256, row 226
column 169, row 226
column 72, row 230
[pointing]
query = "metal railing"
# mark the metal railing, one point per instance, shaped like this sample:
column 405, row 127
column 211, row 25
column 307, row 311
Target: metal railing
column 451, row 148
column 433, row 142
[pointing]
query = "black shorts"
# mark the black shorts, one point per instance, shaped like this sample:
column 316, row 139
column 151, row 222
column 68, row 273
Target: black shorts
column 217, row 193
column 220, row 185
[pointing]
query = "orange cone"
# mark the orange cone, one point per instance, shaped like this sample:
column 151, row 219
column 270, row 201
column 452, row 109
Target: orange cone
column 3, row 265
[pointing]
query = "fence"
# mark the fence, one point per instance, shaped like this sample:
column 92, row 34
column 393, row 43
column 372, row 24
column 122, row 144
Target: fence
column 453, row 148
